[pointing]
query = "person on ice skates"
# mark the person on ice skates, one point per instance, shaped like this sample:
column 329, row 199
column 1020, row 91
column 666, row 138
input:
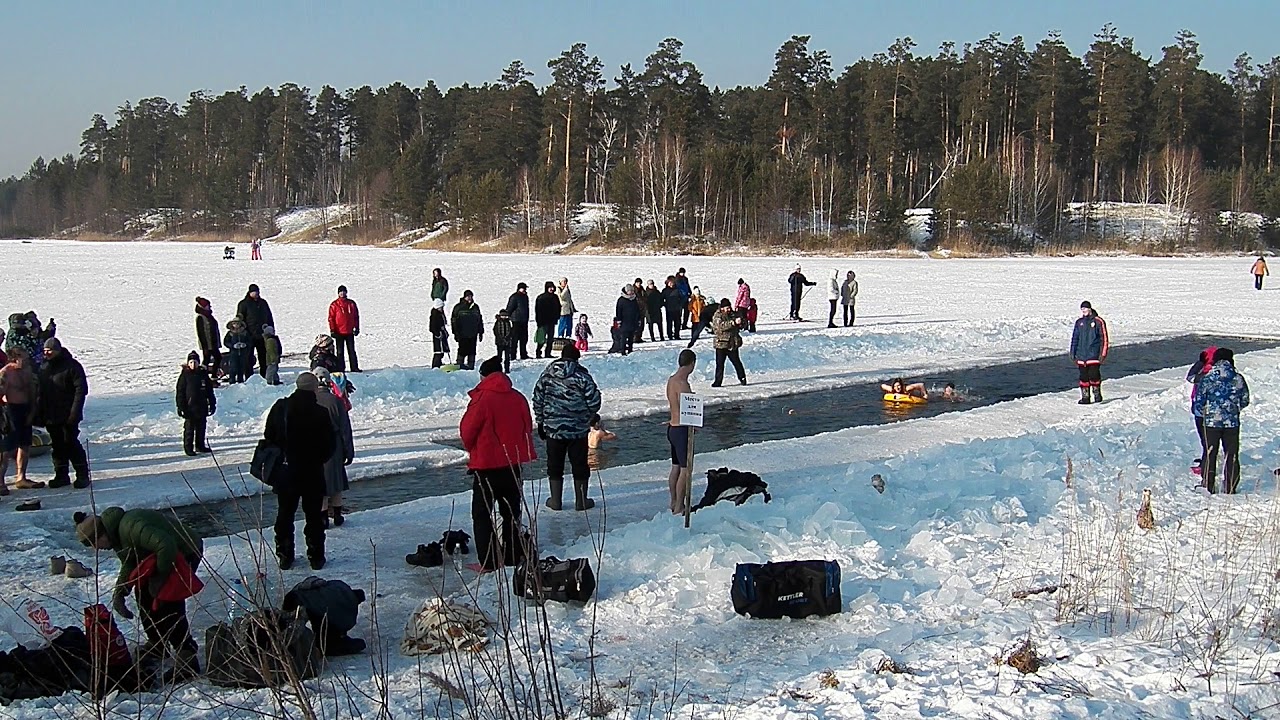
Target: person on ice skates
column 1089, row 346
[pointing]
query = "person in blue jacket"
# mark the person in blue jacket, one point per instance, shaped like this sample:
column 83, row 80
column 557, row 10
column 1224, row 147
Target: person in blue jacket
column 686, row 294
column 1220, row 396
column 1089, row 346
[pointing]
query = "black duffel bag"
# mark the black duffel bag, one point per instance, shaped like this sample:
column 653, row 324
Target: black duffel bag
column 553, row 579
column 796, row 589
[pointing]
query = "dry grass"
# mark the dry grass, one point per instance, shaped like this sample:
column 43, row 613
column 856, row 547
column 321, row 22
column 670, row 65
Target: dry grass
column 1023, row 658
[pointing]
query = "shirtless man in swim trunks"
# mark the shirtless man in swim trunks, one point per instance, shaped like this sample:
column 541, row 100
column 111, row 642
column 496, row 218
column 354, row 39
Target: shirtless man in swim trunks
column 678, row 435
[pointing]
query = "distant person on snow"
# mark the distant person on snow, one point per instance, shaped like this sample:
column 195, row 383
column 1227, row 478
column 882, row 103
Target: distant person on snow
column 504, row 339
column 1195, row 374
column 439, row 328
column 833, row 296
column 798, row 282
column 680, row 477
column 256, row 314
column 582, row 334
column 207, row 337
column 702, row 322
column 1221, row 395
column 468, row 329
column 849, row 298
column 518, row 311
column 273, row 354
column 344, row 326
column 686, row 293
column 322, row 355
column 752, row 313
column 1259, row 271
column 742, row 300
column 696, row 303
column 239, row 350
column 196, row 403
column 63, row 389
column 439, row 285
column 640, row 296
column 627, row 312
column 546, row 313
column 898, row 386
column 255, row 250
column 674, row 303
column 653, row 311
column 726, row 325
column 1089, row 346
column 567, row 309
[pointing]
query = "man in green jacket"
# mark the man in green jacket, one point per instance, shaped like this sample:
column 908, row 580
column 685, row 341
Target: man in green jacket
column 135, row 535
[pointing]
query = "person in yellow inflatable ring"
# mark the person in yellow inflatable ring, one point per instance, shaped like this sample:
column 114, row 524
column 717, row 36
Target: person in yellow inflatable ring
column 898, row 386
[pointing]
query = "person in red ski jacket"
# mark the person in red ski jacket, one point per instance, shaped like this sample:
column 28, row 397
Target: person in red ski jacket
column 344, row 326
column 497, row 431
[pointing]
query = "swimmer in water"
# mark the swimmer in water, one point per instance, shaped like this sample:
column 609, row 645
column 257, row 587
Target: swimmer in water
column 949, row 393
column 899, row 387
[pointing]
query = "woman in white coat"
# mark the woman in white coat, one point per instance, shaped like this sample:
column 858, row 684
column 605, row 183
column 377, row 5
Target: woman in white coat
column 833, row 296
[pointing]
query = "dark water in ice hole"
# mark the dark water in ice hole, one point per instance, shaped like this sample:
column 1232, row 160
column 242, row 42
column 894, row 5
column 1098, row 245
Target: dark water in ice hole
column 776, row 418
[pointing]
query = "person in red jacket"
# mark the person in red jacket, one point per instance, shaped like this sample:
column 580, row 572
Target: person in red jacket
column 344, row 326
column 497, row 430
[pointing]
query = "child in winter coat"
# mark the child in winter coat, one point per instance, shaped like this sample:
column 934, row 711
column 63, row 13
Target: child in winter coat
column 321, row 354
column 581, row 333
column 239, row 350
column 271, row 357
column 504, row 338
column 439, row 326
column 751, row 316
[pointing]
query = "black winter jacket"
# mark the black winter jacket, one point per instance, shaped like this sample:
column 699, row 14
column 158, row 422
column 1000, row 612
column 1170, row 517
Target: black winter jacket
column 437, row 323
column 518, row 307
column 466, row 321
column 673, row 300
column 63, row 388
column 628, row 313
column 302, row 428
column 653, row 301
column 194, row 395
column 255, row 314
column 207, row 331
column 546, row 309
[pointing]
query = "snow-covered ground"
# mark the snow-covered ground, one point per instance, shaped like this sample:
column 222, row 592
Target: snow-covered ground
column 976, row 504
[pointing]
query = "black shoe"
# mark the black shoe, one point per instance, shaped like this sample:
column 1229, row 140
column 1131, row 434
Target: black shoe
column 742, row 381
column 190, row 452
column 584, row 504
column 317, row 563
column 285, row 561
column 356, row 370
column 59, row 481
column 81, row 483
column 715, row 384
column 426, row 556
column 33, row 504
column 831, row 326
column 205, row 449
column 338, row 519
column 553, row 504
column 1084, row 401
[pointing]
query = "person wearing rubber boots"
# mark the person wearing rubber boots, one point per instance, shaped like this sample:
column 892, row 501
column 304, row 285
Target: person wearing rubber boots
column 63, row 388
column 1089, row 346
column 565, row 399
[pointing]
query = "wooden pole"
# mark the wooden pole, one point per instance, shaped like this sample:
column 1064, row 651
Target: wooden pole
column 688, row 487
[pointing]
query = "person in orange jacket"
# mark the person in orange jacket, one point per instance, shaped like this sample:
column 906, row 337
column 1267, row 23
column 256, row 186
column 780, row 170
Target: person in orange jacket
column 1259, row 270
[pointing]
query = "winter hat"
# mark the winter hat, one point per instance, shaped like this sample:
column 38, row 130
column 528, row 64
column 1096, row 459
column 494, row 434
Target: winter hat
column 323, row 340
column 1224, row 353
column 342, row 288
column 503, row 313
column 490, row 366
column 253, row 287
column 550, row 286
column 522, row 286
column 629, row 290
column 1086, row 304
column 307, row 381
column 53, row 344
column 88, row 527
column 468, row 294
column 797, row 267
column 193, row 356
column 322, row 374
column 268, row 330
column 570, row 352
column 202, row 302
column 438, row 303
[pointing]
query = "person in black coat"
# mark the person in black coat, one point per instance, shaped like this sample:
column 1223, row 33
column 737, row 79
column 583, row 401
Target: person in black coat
column 674, row 302
column 628, row 314
column 256, row 314
column 195, row 401
column 703, row 321
column 468, row 329
column 653, row 303
column 63, row 388
column 207, row 331
column 518, row 311
column 301, row 427
column 439, row 328
column 546, row 313
column 798, row 283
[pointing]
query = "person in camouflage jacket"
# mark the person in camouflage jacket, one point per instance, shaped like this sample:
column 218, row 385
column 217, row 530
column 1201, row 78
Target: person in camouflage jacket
column 565, row 399
column 1220, row 396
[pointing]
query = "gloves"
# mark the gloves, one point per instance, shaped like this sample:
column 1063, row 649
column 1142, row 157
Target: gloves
column 542, row 433
column 118, row 604
column 355, row 332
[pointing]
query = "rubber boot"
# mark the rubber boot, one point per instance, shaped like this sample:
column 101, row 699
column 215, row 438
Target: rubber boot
column 82, row 478
column 61, row 475
column 557, row 489
column 1084, row 396
column 580, row 500
column 1097, row 393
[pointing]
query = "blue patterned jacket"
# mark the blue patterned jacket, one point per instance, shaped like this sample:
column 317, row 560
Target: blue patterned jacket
column 1220, row 396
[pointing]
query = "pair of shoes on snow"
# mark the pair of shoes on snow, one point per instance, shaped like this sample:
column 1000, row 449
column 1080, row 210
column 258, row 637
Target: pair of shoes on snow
column 72, row 568
column 429, row 555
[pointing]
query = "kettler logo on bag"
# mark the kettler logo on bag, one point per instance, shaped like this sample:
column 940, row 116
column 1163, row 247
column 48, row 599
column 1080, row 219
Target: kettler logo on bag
column 794, row 589
column 792, row 596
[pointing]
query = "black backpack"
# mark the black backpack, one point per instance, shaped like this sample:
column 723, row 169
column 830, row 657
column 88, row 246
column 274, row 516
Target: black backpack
column 553, row 579
column 732, row 485
column 795, row 589
column 264, row 648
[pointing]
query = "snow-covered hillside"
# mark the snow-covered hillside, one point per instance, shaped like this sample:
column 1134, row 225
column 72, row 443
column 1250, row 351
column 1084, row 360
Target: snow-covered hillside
column 1174, row 622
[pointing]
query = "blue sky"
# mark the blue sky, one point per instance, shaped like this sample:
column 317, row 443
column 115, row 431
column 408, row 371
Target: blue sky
column 61, row 61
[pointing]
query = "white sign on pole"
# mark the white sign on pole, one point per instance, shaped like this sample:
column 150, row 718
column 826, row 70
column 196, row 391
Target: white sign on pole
column 690, row 410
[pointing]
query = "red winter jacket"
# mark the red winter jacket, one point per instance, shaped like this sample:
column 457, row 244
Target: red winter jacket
column 497, row 428
column 344, row 317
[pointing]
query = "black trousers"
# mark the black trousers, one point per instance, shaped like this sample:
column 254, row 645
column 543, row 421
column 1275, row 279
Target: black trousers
column 507, row 353
column 662, row 331
column 260, row 347
column 684, row 316
column 1229, row 440
column 697, row 333
column 1257, row 282
column 439, row 348
column 313, row 529
column 1199, row 421
column 548, row 334
column 628, row 341
column 520, row 338
column 732, row 355
column 193, row 433
column 167, row 624
column 67, row 451
column 576, row 450
column 673, row 324
column 347, row 342
column 466, row 353
column 795, row 305
column 831, row 317
column 850, row 314
column 1090, row 374
column 500, row 486
column 213, row 361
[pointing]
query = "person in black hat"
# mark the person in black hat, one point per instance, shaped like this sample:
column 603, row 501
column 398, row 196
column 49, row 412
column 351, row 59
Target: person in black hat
column 518, row 311
column 63, row 388
column 1089, row 346
column 256, row 314
column 546, row 313
column 344, row 326
column 195, row 401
